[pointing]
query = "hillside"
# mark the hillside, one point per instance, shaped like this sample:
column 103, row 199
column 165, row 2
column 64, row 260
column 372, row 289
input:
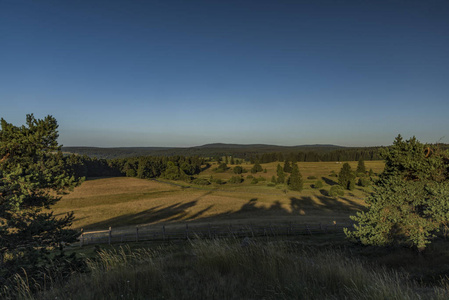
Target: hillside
column 216, row 149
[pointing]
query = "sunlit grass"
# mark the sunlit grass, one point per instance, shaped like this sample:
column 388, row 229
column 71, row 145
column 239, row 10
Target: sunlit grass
column 122, row 201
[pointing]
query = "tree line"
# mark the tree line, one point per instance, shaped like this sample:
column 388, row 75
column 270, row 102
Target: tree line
column 175, row 167
column 349, row 154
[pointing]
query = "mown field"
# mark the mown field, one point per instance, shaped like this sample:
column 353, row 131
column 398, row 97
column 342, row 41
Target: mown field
column 121, row 201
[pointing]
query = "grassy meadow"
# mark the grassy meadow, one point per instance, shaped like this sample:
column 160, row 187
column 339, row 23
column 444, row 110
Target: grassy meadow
column 321, row 266
column 122, row 201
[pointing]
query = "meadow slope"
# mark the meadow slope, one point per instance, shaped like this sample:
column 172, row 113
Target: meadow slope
column 121, row 201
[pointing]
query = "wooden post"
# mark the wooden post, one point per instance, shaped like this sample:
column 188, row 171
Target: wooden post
column 137, row 233
column 252, row 230
column 308, row 229
column 82, row 237
column 187, row 231
column 110, row 235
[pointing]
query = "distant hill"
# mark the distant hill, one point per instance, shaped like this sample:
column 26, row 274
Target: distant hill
column 216, row 149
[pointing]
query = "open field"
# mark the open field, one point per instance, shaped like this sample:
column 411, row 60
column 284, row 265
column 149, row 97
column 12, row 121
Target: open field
column 122, row 201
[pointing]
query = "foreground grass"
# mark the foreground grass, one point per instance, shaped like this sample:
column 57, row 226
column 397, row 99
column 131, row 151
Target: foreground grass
column 227, row 269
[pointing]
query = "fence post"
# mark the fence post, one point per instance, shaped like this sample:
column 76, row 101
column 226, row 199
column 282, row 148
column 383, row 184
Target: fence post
column 187, row 231
column 163, row 232
column 137, row 233
column 252, row 230
column 110, row 235
column 308, row 229
column 82, row 237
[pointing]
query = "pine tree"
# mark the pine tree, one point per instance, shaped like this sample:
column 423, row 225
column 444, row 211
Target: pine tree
column 410, row 201
column 33, row 175
column 287, row 167
column 295, row 181
column 361, row 167
column 280, row 174
column 346, row 177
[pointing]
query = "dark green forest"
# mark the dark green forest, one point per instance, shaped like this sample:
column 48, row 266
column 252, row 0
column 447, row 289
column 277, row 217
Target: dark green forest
column 264, row 153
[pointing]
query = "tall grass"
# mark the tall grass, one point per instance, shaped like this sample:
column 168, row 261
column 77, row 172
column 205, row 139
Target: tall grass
column 219, row 269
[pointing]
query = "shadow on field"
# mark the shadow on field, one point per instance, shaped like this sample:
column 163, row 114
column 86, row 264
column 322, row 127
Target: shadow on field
column 182, row 212
column 329, row 181
column 174, row 212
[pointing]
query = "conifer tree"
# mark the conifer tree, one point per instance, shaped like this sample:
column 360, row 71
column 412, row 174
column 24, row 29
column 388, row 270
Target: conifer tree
column 287, row 166
column 410, row 201
column 346, row 177
column 33, row 175
column 295, row 181
column 280, row 174
column 361, row 169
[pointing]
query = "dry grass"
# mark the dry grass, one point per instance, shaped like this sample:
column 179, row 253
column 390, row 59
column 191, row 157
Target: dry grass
column 222, row 269
column 122, row 201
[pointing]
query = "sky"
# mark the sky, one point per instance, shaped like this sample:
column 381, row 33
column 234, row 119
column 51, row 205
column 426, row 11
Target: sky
column 187, row 73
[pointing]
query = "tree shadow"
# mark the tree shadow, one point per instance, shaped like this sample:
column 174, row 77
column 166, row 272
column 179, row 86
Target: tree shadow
column 329, row 181
column 207, row 166
column 171, row 213
column 181, row 212
column 324, row 192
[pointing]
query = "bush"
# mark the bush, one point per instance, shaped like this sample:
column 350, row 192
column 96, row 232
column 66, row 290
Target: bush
column 260, row 178
column 333, row 174
column 223, row 167
column 318, row 184
column 254, row 181
column 236, row 179
column 336, row 191
column 131, row 173
column 238, row 170
column 256, row 168
column 363, row 181
column 216, row 181
column 201, row 181
column 311, row 177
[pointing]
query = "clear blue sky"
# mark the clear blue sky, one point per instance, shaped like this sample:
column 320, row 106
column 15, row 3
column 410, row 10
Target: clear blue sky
column 185, row 73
